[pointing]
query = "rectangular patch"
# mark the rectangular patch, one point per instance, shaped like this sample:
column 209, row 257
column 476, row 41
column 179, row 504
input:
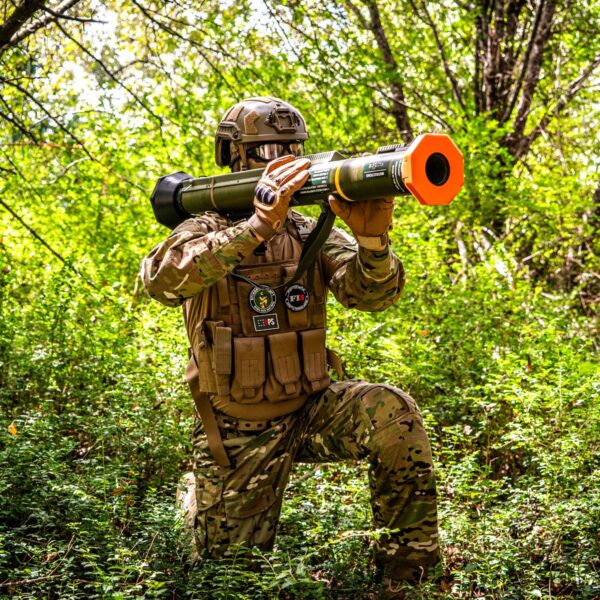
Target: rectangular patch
column 265, row 322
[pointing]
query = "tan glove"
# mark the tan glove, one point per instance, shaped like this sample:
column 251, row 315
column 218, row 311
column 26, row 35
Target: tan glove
column 281, row 178
column 369, row 220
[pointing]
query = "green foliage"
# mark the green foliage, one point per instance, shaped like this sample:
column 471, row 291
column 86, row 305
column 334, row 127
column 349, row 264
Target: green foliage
column 494, row 335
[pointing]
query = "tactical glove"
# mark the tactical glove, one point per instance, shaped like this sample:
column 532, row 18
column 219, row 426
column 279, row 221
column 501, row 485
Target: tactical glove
column 282, row 177
column 369, row 220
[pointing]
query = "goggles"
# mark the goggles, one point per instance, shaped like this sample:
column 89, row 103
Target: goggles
column 269, row 151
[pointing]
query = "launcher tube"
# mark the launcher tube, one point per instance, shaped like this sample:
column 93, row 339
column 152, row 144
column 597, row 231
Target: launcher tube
column 430, row 168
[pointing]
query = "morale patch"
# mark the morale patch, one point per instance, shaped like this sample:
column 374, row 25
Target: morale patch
column 296, row 297
column 262, row 299
column 265, row 322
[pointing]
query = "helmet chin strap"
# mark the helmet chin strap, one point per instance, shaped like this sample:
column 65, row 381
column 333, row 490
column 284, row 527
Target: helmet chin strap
column 239, row 156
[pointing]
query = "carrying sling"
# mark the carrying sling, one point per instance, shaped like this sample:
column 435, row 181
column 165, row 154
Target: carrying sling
column 207, row 414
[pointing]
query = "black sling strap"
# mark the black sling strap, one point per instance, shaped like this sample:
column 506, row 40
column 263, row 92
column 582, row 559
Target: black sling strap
column 312, row 246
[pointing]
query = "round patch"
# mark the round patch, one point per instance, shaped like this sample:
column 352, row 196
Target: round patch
column 296, row 297
column 262, row 299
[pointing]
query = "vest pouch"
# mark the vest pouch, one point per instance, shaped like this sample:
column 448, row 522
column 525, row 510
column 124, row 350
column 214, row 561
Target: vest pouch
column 222, row 359
column 314, row 358
column 202, row 349
column 249, row 370
column 283, row 364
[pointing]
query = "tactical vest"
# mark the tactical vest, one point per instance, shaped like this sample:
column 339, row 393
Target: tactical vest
column 259, row 345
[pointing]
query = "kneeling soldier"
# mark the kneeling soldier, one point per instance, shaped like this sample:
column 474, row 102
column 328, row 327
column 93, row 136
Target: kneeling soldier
column 258, row 366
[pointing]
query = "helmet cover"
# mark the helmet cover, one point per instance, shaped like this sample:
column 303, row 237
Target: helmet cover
column 256, row 120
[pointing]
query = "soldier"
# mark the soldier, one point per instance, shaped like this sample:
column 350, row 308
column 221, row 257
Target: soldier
column 258, row 366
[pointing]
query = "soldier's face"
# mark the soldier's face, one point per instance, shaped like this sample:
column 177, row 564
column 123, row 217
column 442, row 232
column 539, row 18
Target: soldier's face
column 255, row 164
column 256, row 154
column 250, row 162
column 268, row 151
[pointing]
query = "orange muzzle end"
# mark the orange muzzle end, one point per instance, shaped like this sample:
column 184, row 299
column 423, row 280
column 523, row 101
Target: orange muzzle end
column 433, row 169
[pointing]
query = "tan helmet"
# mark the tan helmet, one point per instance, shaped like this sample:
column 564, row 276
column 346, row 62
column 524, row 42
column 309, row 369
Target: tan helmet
column 259, row 119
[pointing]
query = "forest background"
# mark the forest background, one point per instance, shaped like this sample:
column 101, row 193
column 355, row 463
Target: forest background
column 494, row 335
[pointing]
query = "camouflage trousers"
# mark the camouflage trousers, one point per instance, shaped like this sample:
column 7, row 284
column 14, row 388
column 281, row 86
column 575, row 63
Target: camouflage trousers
column 350, row 420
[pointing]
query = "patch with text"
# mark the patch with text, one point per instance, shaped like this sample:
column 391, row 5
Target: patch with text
column 265, row 322
column 296, row 297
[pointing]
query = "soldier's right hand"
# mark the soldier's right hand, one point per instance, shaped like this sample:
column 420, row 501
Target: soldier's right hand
column 281, row 178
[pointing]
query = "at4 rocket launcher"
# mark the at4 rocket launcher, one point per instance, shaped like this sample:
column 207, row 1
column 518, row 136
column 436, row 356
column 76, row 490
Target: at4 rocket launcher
column 430, row 168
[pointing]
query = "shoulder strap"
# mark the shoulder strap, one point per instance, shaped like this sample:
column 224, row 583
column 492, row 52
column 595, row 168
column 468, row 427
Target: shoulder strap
column 205, row 410
column 313, row 242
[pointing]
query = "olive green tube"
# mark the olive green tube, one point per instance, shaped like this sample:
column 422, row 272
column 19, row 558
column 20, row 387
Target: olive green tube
column 425, row 169
column 352, row 179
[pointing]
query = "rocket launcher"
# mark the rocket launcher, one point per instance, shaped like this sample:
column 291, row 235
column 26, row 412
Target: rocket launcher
column 430, row 168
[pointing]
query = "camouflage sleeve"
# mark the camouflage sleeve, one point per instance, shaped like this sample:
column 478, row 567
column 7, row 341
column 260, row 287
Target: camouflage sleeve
column 195, row 256
column 369, row 280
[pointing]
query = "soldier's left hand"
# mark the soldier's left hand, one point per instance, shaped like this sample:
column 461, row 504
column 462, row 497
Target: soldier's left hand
column 369, row 220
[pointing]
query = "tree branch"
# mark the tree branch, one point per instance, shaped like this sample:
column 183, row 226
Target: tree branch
column 283, row 35
column 440, row 47
column 438, row 119
column 522, row 146
column 18, row 124
column 22, row 13
column 58, row 14
column 519, row 82
column 33, row 232
column 352, row 78
column 399, row 111
column 478, row 52
column 40, row 239
column 198, row 47
column 69, row 264
column 42, row 21
column 80, row 144
column 47, row 113
column 357, row 12
column 534, row 66
column 111, row 75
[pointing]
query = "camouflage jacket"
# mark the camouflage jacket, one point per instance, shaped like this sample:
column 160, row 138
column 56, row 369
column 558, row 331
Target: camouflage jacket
column 204, row 249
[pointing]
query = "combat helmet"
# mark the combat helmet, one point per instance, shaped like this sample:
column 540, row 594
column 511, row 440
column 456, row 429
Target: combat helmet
column 258, row 120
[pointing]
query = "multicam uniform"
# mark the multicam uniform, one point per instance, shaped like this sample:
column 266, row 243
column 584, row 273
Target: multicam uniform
column 262, row 363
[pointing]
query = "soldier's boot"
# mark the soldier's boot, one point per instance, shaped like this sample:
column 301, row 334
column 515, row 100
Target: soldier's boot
column 397, row 589
column 186, row 502
column 391, row 589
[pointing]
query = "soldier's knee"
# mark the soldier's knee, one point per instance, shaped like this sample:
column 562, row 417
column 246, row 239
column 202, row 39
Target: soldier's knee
column 385, row 404
column 398, row 440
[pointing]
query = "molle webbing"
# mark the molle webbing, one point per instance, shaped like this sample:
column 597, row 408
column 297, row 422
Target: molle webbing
column 253, row 375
